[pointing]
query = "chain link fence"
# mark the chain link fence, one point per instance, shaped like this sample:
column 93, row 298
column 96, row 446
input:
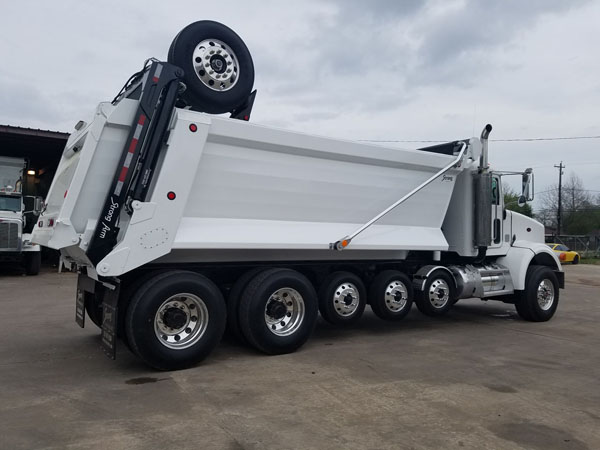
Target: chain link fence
column 588, row 246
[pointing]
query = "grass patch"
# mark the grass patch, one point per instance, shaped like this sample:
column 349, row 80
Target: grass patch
column 595, row 261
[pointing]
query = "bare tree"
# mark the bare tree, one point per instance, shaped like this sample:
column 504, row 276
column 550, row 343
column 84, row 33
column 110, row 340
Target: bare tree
column 580, row 212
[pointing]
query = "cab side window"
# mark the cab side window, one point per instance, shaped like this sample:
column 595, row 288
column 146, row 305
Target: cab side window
column 495, row 192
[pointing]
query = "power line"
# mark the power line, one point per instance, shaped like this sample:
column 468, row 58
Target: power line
column 416, row 141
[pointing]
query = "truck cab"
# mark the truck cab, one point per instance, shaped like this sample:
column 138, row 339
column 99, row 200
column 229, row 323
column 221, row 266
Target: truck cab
column 15, row 243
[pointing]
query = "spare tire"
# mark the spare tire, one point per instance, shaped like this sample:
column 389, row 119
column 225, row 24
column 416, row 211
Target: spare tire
column 219, row 73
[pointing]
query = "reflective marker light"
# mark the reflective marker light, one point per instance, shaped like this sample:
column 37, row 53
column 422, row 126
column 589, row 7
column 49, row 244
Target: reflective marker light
column 171, row 195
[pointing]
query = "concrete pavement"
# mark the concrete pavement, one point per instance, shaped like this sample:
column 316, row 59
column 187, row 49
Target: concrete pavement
column 479, row 378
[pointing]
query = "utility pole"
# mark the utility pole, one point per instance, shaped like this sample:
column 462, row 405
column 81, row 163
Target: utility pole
column 560, row 168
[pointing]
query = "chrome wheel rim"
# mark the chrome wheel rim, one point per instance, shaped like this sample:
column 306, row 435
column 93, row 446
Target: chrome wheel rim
column 284, row 311
column 346, row 299
column 396, row 296
column 216, row 65
column 545, row 294
column 181, row 321
column 439, row 293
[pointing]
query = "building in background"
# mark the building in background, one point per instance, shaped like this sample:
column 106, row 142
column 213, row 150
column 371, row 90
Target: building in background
column 41, row 150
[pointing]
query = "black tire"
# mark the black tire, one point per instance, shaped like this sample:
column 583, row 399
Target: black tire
column 33, row 262
column 522, row 310
column 165, row 289
column 258, row 298
column 527, row 303
column 233, row 303
column 438, row 283
column 391, row 295
column 342, row 298
column 198, row 95
column 576, row 259
column 126, row 295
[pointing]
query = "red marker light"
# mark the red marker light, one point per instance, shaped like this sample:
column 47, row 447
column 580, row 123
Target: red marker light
column 171, row 195
column 65, row 196
column 50, row 222
column 193, row 127
column 41, row 223
column 246, row 117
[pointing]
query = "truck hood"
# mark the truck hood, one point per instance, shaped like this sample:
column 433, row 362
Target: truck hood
column 12, row 215
column 526, row 229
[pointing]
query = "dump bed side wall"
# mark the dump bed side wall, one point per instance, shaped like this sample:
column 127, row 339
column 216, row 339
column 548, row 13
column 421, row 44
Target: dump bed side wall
column 242, row 186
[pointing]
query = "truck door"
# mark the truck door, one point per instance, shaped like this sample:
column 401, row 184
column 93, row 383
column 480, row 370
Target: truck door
column 497, row 212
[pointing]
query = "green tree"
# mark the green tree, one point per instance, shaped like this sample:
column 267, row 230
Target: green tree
column 511, row 201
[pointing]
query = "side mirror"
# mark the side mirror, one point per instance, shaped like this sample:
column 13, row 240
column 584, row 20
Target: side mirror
column 38, row 205
column 527, row 187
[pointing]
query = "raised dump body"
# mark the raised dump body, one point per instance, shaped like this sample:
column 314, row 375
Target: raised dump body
column 240, row 186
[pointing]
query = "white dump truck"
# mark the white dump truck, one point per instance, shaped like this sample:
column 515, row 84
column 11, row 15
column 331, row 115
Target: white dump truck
column 182, row 223
column 15, row 243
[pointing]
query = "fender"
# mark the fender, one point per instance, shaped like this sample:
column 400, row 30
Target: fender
column 423, row 273
column 524, row 253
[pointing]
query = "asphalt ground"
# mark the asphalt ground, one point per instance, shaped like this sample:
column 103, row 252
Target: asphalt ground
column 479, row 378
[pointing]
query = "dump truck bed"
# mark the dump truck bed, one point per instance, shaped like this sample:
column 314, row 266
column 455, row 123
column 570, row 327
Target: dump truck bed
column 245, row 191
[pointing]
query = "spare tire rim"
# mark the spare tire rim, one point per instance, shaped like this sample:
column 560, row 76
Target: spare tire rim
column 346, row 299
column 545, row 294
column 216, row 65
column 284, row 311
column 396, row 296
column 181, row 321
column 439, row 293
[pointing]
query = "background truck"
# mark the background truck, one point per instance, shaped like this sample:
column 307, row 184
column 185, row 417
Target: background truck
column 15, row 222
column 181, row 223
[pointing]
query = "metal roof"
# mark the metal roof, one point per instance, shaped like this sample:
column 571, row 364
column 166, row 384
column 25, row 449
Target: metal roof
column 23, row 131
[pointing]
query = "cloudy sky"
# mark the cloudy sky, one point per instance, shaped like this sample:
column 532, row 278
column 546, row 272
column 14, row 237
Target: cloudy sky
column 380, row 70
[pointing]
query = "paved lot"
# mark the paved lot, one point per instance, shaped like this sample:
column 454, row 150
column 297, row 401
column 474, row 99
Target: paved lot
column 479, row 378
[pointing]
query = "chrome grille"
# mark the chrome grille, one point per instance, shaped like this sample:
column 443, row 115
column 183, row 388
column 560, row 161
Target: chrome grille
column 9, row 236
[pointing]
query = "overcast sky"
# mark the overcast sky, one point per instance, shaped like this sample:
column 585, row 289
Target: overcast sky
column 397, row 70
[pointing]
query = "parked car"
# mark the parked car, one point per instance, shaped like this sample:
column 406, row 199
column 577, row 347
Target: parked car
column 565, row 254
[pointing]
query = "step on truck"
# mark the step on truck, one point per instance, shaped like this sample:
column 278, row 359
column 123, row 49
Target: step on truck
column 182, row 222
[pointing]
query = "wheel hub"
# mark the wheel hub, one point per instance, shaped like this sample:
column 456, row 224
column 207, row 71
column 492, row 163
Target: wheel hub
column 181, row 321
column 174, row 318
column 396, row 296
column 439, row 293
column 216, row 65
column 545, row 294
column 277, row 310
column 346, row 299
column 284, row 311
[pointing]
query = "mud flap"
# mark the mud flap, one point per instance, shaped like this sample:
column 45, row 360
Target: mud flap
column 109, row 321
column 80, row 308
column 84, row 284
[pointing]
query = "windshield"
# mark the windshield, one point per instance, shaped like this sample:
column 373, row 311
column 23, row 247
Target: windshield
column 10, row 203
